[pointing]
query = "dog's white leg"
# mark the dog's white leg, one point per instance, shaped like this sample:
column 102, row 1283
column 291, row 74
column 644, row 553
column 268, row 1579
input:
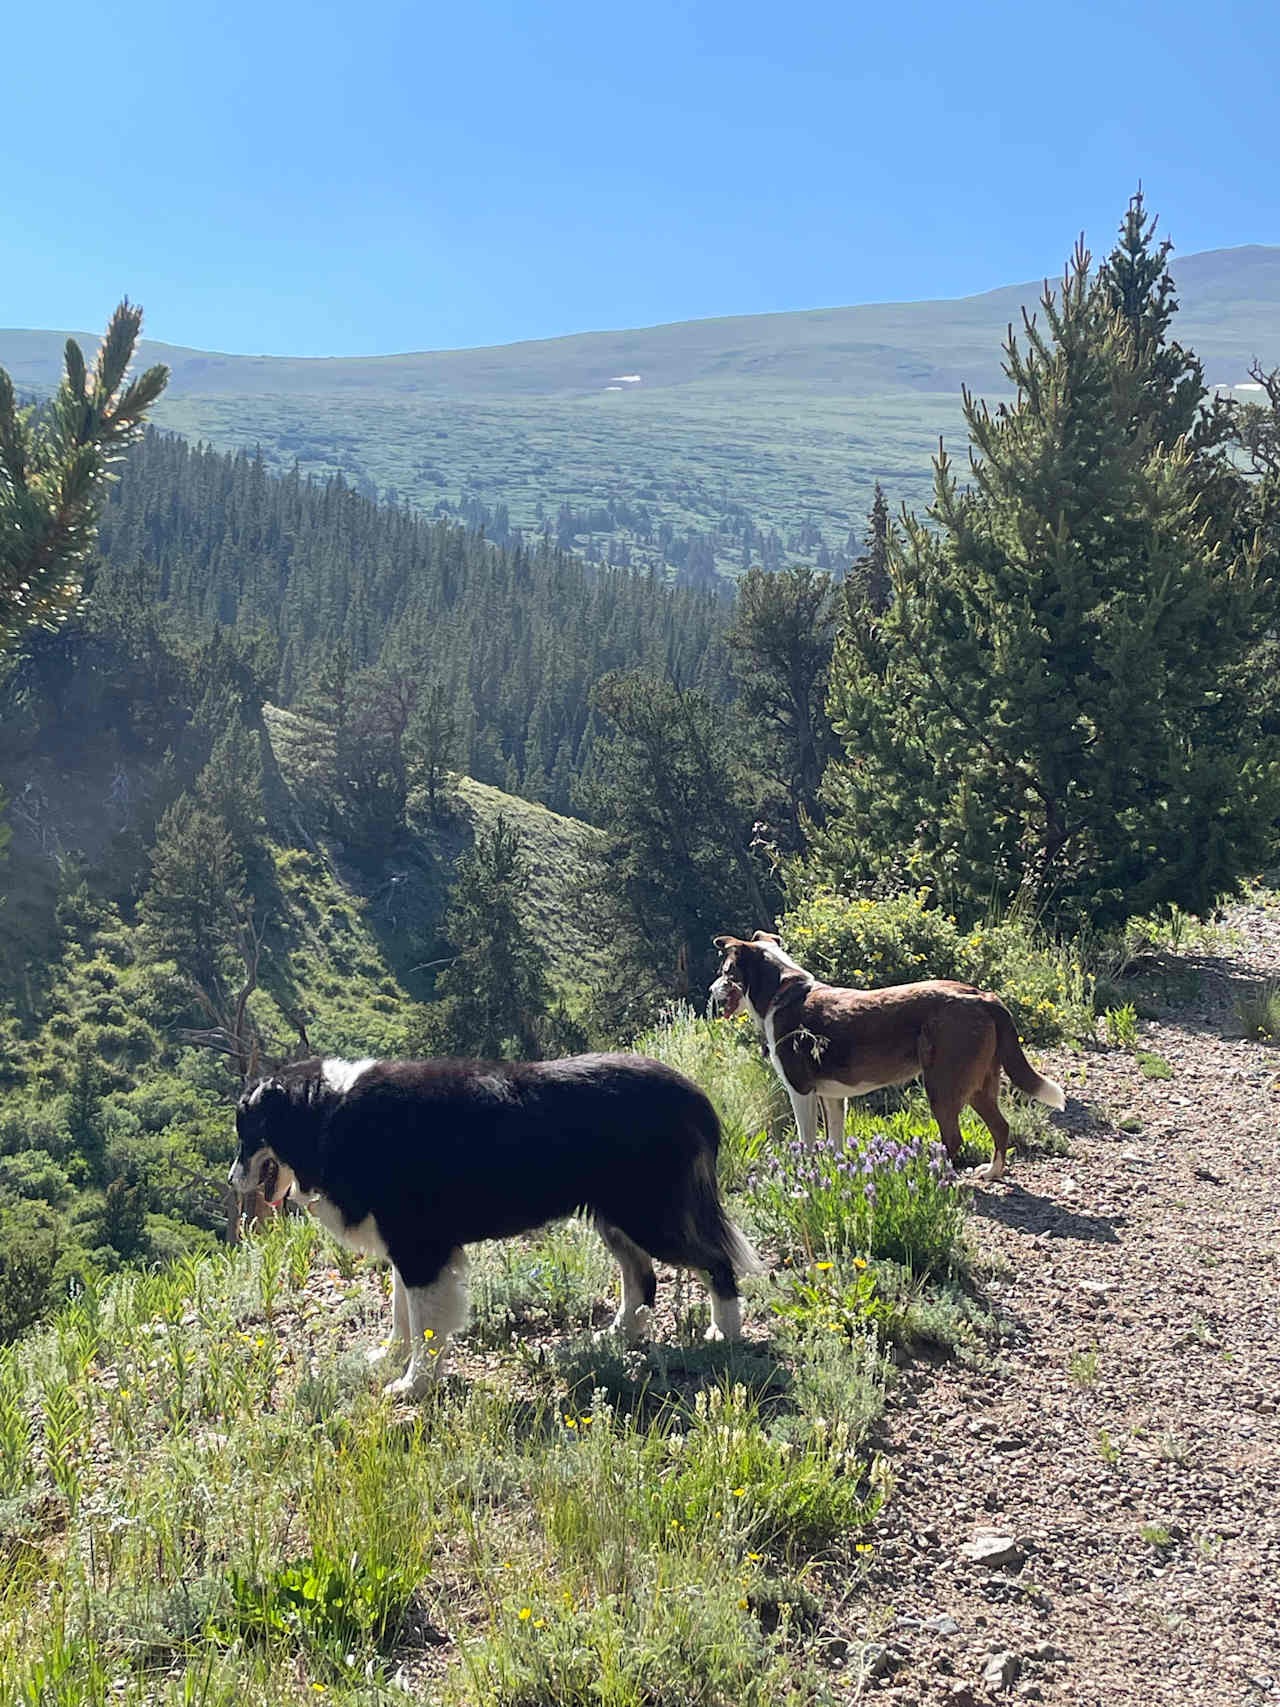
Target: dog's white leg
column 833, row 1119
column 638, row 1284
column 436, row 1312
column 393, row 1350
column 726, row 1319
column 805, row 1108
column 632, row 1319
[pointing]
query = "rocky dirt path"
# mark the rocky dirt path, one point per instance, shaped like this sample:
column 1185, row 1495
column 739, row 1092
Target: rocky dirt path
column 1097, row 1520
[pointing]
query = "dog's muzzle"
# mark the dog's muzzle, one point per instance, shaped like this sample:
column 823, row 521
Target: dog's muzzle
column 727, row 997
column 263, row 1176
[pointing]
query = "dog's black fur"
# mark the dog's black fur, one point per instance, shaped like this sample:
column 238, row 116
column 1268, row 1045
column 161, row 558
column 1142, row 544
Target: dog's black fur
column 433, row 1155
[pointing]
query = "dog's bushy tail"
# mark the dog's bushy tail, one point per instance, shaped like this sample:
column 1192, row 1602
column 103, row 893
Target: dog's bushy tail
column 709, row 1228
column 1020, row 1071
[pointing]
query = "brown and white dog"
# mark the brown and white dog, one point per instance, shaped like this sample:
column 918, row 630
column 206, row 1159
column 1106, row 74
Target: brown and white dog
column 827, row 1043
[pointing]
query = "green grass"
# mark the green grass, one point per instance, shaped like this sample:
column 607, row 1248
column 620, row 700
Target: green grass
column 1258, row 1011
column 198, row 1480
column 1152, row 1065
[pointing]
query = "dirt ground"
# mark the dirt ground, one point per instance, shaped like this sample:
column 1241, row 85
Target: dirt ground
column 1096, row 1519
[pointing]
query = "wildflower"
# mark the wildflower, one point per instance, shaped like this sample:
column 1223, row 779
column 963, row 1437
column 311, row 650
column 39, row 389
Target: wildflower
column 570, row 1422
column 738, row 1493
column 755, row 1557
column 822, row 1265
column 864, row 1547
column 526, row 1613
column 743, row 1604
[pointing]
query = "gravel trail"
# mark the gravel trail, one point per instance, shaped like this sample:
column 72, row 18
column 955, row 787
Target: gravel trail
column 1097, row 1518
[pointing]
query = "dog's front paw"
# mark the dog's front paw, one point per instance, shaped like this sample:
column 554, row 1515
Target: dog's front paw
column 413, row 1384
column 633, row 1329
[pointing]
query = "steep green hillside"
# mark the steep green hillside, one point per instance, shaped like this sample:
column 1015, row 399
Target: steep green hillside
column 784, row 419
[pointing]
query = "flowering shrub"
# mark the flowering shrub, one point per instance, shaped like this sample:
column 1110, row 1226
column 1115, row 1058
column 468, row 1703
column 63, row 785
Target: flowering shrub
column 866, row 944
column 889, row 1192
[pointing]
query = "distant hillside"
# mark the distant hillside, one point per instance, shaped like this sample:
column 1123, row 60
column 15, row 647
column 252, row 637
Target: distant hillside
column 760, row 436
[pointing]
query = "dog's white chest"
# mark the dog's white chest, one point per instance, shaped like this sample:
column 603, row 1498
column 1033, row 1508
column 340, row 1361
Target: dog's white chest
column 362, row 1236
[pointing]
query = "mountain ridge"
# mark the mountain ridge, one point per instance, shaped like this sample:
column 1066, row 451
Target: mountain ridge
column 33, row 355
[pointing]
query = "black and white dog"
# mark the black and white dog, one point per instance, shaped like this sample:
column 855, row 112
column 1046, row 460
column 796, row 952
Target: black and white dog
column 413, row 1160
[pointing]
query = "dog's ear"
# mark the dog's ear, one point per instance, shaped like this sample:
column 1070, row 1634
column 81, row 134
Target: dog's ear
column 766, row 936
column 722, row 942
column 263, row 1090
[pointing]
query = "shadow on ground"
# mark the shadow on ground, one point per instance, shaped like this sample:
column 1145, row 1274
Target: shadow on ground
column 1029, row 1212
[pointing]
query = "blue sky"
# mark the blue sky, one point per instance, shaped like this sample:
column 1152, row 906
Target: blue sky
column 366, row 178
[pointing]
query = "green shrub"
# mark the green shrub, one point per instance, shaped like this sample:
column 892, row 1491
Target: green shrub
column 1121, row 1025
column 323, row 1602
column 865, row 944
column 34, row 1174
column 28, row 1260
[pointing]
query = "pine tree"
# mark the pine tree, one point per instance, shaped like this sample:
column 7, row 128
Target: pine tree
column 679, row 807
column 53, row 467
column 431, row 744
column 197, row 905
column 494, row 995
column 869, row 580
column 1059, row 704
column 781, row 643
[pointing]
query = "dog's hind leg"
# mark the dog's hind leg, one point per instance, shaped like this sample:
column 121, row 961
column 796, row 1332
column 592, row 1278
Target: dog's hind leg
column 726, row 1306
column 639, row 1282
column 946, row 1111
column 436, row 1311
column 986, row 1103
column 399, row 1341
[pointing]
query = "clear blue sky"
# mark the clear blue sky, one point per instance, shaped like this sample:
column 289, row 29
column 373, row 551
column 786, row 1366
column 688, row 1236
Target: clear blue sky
column 374, row 177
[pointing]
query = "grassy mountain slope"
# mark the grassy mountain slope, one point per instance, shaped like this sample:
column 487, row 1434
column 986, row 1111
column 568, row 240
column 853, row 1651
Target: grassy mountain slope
column 790, row 417
column 348, row 945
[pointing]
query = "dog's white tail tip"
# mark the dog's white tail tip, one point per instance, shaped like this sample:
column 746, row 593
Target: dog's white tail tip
column 1050, row 1092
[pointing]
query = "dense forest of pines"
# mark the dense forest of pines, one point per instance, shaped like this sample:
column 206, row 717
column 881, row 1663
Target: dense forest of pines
column 514, row 636
column 1051, row 701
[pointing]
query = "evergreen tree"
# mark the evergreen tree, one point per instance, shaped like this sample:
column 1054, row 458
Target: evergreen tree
column 679, row 808
column 230, row 786
column 84, row 1109
column 781, row 642
column 53, row 465
column 494, row 995
column 197, row 906
column 869, row 579
column 432, row 742
column 1060, row 703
